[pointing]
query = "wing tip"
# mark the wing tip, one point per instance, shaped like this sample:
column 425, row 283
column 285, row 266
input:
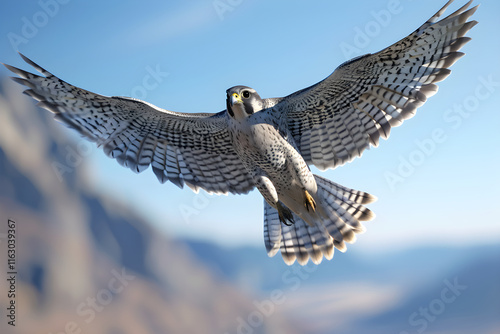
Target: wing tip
column 368, row 198
column 463, row 11
column 21, row 73
column 35, row 65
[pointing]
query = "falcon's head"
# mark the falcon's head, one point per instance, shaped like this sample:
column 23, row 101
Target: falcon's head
column 242, row 102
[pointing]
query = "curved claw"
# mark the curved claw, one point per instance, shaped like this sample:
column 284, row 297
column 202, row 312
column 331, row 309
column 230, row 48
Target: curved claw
column 285, row 214
column 309, row 202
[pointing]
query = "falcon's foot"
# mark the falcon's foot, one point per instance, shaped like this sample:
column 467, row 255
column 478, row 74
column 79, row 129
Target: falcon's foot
column 286, row 216
column 309, row 202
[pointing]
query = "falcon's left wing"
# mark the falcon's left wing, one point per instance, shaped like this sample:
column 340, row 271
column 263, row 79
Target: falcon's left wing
column 192, row 149
column 335, row 120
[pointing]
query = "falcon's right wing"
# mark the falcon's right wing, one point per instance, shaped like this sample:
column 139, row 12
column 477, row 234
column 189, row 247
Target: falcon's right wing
column 335, row 120
column 192, row 149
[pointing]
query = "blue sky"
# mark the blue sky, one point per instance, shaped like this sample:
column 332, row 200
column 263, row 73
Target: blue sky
column 436, row 177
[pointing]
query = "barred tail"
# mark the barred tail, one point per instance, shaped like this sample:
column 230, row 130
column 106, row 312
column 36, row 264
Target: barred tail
column 345, row 210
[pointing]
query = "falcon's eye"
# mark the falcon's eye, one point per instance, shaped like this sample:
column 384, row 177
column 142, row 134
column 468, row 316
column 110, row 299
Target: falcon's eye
column 245, row 94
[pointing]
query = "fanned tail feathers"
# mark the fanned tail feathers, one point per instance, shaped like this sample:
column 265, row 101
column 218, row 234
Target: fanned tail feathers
column 300, row 241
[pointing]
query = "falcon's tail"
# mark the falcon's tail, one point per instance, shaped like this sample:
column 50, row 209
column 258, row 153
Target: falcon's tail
column 344, row 213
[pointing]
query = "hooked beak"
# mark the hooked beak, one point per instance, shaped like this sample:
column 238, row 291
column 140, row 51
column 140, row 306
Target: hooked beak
column 235, row 98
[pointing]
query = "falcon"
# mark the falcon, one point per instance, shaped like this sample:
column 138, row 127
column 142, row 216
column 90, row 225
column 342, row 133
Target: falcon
column 270, row 143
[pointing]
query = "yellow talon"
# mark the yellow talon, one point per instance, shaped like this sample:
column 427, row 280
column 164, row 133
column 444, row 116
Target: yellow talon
column 310, row 202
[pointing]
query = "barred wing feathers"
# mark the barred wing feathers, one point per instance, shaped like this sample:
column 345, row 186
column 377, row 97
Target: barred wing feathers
column 335, row 120
column 192, row 149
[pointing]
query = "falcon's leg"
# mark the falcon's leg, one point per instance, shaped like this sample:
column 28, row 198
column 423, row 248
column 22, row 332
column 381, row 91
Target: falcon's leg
column 269, row 193
column 305, row 178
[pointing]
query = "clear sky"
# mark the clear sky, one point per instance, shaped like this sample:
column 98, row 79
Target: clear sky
column 436, row 177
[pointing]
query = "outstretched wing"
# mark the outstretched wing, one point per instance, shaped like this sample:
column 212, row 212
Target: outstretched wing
column 335, row 120
column 192, row 149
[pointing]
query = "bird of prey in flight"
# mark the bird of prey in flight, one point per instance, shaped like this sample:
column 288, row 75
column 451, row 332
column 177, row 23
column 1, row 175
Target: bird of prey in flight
column 270, row 143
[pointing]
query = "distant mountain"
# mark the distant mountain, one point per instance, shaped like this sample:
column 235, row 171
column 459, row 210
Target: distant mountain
column 466, row 300
column 88, row 264
column 355, row 266
column 399, row 292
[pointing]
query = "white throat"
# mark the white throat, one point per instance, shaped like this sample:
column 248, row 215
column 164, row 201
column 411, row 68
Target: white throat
column 239, row 111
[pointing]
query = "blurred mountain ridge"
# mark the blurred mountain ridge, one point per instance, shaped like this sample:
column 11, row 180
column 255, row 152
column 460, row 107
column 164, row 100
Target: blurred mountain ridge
column 408, row 281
